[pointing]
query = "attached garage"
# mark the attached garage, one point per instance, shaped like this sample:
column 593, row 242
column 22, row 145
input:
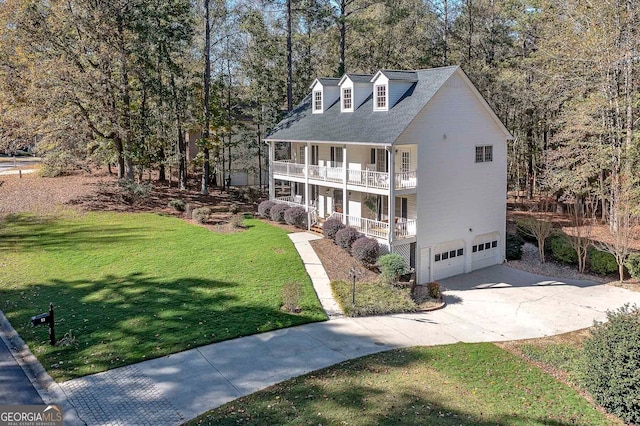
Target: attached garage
column 448, row 259
column 485, row 251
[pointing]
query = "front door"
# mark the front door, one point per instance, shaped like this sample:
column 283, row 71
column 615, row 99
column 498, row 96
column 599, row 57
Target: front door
column 337, row 200
column 425, row 265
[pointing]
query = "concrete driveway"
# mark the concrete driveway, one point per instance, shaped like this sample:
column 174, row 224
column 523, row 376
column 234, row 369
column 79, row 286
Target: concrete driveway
column 493, row 304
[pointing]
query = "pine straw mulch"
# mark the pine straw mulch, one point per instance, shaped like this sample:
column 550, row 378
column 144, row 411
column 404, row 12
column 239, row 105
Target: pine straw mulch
column 97, row 190
column 337, row 262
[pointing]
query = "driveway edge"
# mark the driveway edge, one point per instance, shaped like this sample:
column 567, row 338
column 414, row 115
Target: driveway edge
column 47, row 388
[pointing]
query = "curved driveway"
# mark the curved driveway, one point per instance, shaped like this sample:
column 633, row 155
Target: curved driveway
column 497, row 303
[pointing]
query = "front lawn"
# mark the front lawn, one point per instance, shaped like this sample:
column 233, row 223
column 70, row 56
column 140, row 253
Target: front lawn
column 461, row 384
column 130, row 287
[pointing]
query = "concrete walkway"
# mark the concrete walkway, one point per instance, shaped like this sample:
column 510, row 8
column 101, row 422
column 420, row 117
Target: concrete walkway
column 178, row 387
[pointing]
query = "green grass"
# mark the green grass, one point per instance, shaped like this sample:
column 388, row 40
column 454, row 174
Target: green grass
column 557, row 356
column 130, row 287
column 372, row 299
column 461, row 384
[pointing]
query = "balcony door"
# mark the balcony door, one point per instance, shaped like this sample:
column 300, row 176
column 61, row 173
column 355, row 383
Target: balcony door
column 336, row 156
column 380, row 158
column 314, row 155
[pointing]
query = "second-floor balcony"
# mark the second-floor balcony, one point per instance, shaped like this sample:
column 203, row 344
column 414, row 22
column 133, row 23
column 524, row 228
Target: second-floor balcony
column 355, row 177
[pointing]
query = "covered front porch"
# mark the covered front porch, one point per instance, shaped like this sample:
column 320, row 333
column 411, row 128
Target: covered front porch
column 369, row 213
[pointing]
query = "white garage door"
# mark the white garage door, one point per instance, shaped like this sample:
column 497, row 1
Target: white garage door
column 485, row 251
column 448, row 259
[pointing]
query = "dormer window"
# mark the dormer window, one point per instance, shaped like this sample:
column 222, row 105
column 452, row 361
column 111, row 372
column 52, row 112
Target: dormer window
column 381, row 97
column 317, row 101
column 347, row 99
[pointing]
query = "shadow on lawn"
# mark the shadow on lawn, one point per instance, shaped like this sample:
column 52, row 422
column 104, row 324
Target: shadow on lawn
column 336, row 395
column 119, row 320
column 35, row 232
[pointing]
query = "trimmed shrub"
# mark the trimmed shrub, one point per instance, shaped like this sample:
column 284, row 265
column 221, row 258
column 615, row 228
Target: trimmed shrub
column 392, row 265
column 277, row 212
column 237, row 221
column 601, row 262
column 331, row 227
column 610, row 370
column 346, row 237
column 201, row 214
column 365, row 250
column 264, row 208
column 133, row 192
column 562, row 251
column 514, row 247
column 296, row 216
column 633, row 265
column 177, row 204
column 234, row 208
column 434, row 290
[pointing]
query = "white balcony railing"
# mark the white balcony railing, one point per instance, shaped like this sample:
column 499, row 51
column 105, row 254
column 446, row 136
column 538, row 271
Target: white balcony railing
column 288, row 168
column 327, row 174
column 406, row 180
column 362, row 178
column 378, row 228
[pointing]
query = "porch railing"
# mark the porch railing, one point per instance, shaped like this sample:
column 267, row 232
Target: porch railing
column 288, row 168
column 377, row 228
column 368, row 179
column 406, row 180
column 329, row 174
column 296, row 201
column 363, row 178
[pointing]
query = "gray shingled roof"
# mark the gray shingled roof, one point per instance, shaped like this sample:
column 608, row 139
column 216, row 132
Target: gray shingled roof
column 360, row 78
column 362, row 125
column 328, row 81
column 400, row 75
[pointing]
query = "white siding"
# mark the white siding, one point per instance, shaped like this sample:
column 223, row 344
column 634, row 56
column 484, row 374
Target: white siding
column 457, row 198
column 361, row 92
column 331, row 95
column 396, row 90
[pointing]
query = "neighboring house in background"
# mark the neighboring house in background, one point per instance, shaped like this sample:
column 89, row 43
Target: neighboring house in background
column 416, row 159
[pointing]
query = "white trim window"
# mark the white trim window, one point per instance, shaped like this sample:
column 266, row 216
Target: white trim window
column 317, row 101
column 347, row 99
column 484, row 153
column 405, row 162
column 381, row 97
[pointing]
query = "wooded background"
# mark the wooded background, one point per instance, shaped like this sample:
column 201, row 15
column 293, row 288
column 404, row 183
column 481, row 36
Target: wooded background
column 121, row 81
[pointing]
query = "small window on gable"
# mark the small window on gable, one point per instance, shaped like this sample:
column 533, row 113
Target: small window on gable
column 381, row 97
column 317, row 101
column 347, row 99
column 484, row 153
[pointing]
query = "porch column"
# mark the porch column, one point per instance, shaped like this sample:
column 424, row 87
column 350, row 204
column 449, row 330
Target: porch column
column 345, row 193
column 306, row 175
column 392, row 194
column 272, row 182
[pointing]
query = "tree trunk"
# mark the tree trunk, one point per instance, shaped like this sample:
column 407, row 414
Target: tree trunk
column 120, row 150
column 289, row 60
column 126, row 101
column 342, row 26
column 207, row 113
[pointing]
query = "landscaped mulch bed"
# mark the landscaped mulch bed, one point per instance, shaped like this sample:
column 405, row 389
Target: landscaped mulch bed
column 98, row 190
column 337, row 262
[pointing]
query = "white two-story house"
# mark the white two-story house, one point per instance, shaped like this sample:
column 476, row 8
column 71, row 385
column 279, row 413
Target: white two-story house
column 416, row 159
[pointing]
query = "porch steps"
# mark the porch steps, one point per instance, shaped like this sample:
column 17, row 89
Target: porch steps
column 317, row 229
